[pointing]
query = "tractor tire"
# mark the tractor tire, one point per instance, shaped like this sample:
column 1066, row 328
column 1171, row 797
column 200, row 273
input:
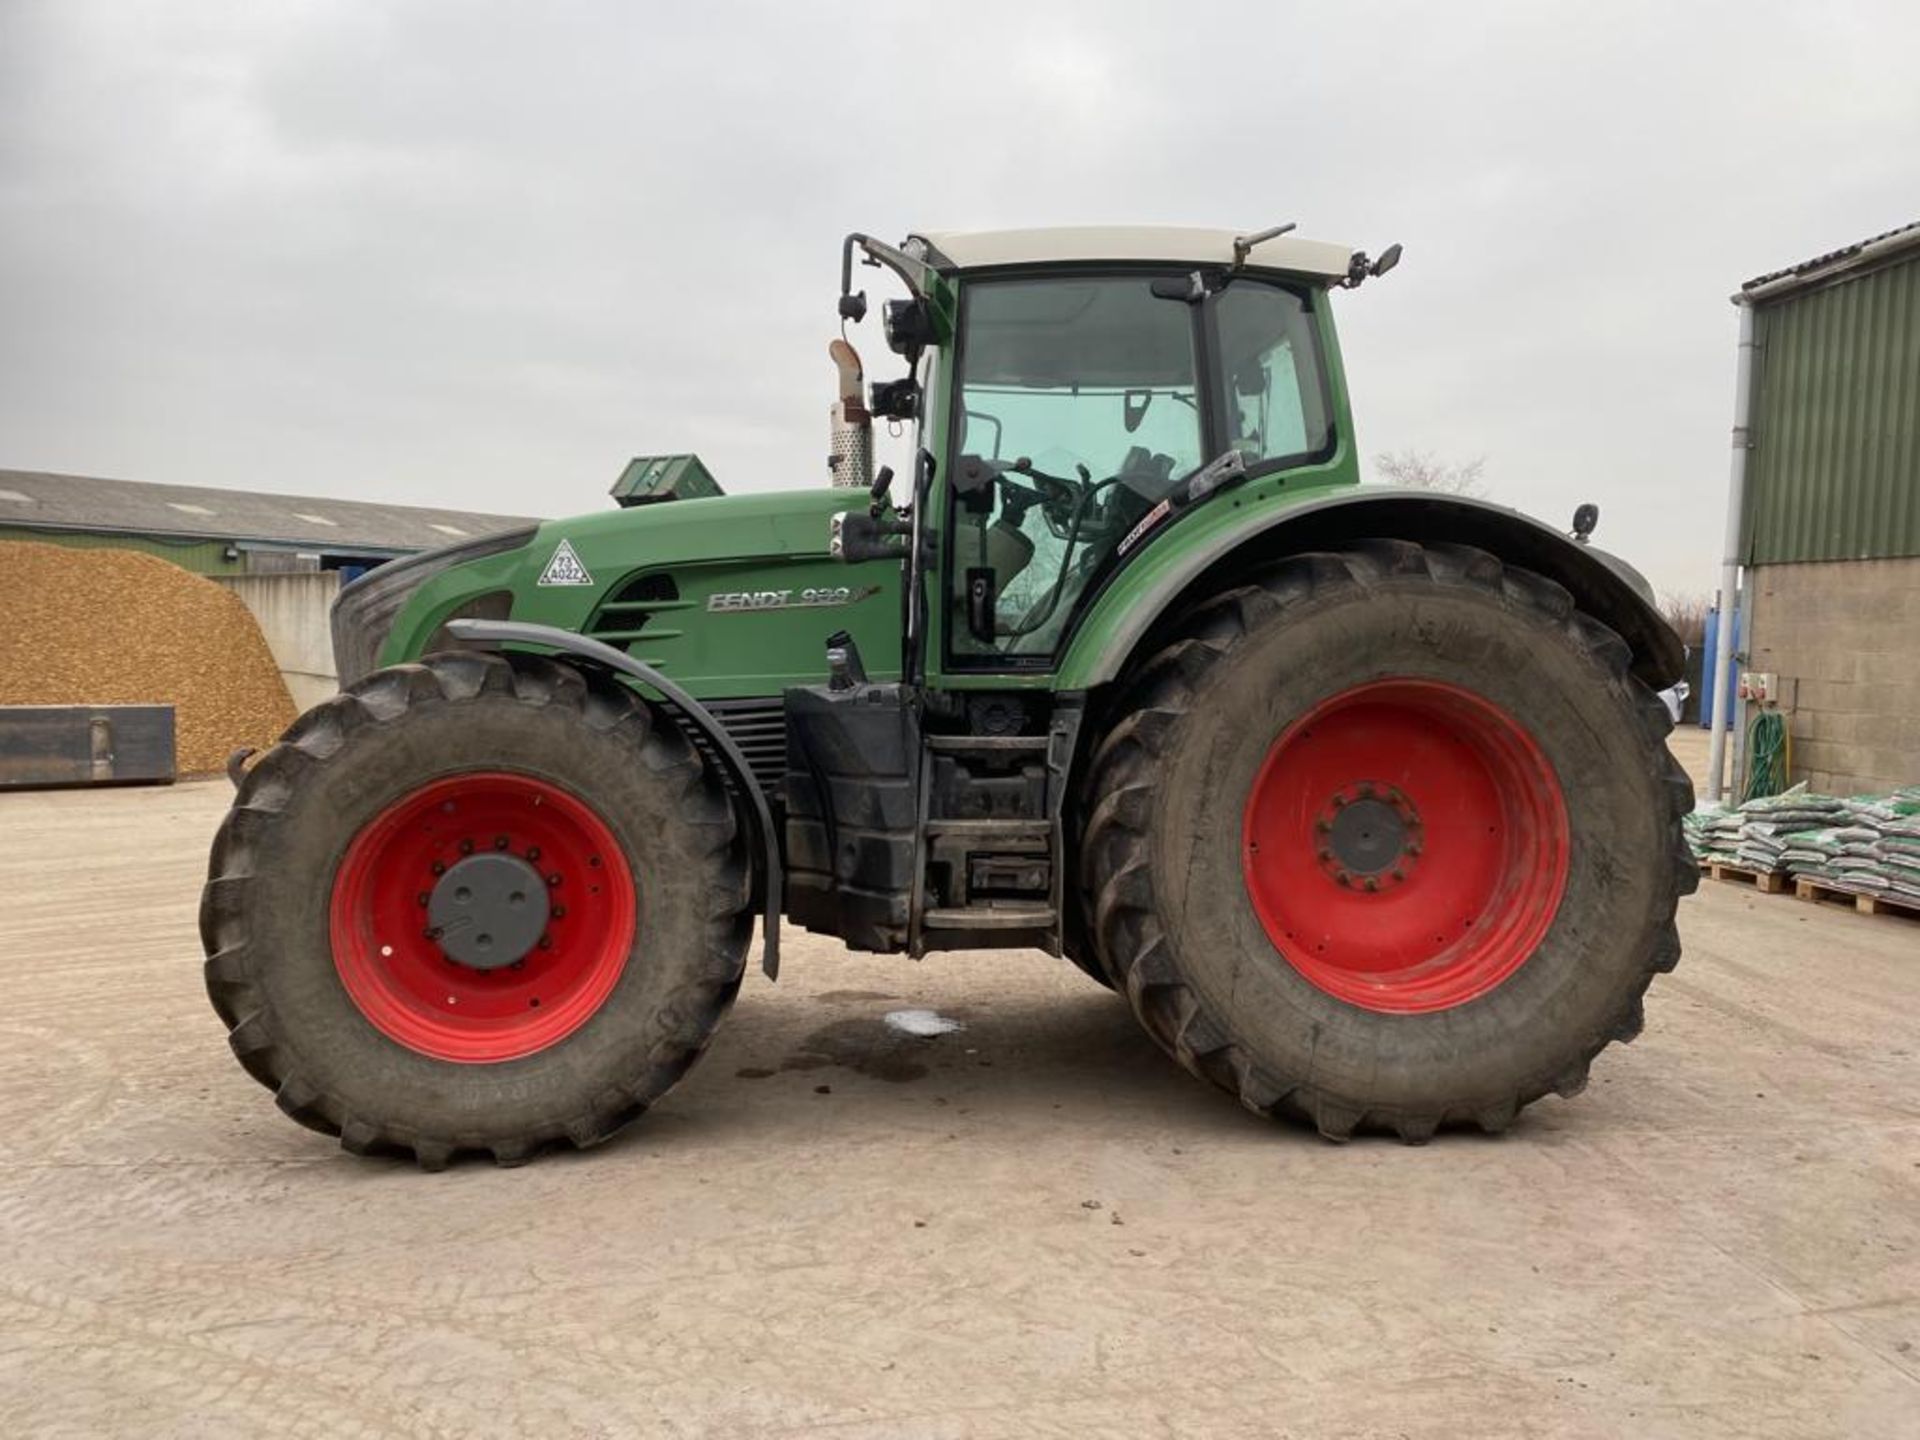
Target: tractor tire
column 343, row 884
column 1387, row 841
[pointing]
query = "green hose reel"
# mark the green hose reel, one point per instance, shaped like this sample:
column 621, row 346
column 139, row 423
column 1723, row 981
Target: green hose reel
column 1769, row 755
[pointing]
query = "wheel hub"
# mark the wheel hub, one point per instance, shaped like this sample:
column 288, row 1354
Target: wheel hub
column 483, row 916
column 1370, row 835
column 1393, row 903
column 488, row 911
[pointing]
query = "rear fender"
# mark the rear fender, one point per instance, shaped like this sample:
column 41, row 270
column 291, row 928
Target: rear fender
column 1127, row 619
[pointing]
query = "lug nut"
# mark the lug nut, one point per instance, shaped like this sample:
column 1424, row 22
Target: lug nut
column 466, row 847
column 546, row 942
column 554, row 879
column 424, row 899
column 499, row 842
column 533, row 853
column 559, row 912
column 438, row 868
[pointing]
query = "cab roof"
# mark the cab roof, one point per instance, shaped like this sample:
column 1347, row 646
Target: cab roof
column 958, row 250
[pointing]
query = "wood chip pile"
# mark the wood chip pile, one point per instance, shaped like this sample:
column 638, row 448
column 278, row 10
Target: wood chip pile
column 115, row 627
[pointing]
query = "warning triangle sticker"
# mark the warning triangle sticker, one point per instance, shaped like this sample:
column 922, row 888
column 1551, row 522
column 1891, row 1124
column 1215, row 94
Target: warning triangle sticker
column 565, row 568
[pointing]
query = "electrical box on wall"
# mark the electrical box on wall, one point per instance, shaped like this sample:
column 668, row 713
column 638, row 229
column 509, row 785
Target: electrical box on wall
column 1759, row 685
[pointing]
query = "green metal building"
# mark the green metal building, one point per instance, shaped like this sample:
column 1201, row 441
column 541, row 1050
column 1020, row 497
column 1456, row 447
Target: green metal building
column 1830, row 525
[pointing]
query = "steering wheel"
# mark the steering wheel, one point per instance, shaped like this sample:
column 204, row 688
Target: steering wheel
column 1057, row 497
column 1074, row 510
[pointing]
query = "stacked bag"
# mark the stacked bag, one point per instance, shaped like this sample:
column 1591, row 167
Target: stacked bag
column 1865, row 844
column 1756, row 836
column 1714, row 835
column 1874, row 850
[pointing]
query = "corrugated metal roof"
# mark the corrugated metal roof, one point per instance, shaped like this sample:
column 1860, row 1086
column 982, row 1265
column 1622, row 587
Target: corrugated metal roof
column 307, row 522
column 1822, row 268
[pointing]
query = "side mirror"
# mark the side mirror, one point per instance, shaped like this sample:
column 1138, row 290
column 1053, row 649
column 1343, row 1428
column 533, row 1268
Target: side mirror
column 1584, row 520
column 1389, row 258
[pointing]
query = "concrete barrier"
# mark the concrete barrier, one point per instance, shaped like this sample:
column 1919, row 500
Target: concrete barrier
column 292, row 613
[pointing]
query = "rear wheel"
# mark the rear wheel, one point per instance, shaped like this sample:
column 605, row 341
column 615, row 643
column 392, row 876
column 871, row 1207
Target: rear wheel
column 1426, row 834
column 475, row 904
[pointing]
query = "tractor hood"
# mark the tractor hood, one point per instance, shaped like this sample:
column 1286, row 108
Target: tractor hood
column 364, row 612
column 732, row 595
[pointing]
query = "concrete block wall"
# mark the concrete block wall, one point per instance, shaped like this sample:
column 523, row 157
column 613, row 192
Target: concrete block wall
column 1844, row 638
column 292, row 611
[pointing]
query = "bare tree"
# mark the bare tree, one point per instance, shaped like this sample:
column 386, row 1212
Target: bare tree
column 1423, row 470
column 1686, row 612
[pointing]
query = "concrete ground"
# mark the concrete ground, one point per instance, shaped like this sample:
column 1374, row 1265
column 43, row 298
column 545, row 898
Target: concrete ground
column 1036, row 1226
column 1691, row 746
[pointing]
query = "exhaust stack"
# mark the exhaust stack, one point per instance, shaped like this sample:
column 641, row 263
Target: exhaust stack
column 850, row 461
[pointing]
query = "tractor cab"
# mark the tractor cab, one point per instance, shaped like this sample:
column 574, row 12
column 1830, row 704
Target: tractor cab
column 1075, row 391
column 1080, row 404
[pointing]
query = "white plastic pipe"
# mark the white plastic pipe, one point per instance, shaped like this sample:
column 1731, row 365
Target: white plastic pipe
column 1730, row 563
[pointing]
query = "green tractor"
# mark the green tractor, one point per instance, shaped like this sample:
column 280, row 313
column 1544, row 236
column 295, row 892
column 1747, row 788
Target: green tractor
column 1360, row 796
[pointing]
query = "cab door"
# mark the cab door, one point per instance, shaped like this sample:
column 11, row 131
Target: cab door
column 1076, row 406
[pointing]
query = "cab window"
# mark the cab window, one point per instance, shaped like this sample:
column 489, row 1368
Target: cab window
column 1276, row 404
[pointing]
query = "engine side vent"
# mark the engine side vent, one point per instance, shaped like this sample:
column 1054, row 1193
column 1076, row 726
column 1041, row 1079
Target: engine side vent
column 759, row 728
column 633, row 608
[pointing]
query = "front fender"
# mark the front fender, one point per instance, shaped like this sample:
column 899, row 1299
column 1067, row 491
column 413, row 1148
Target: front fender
column 1178, row 570
column 581, row 647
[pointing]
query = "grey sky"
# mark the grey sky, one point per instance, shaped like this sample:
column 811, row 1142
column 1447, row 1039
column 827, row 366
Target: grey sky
column 476, row 255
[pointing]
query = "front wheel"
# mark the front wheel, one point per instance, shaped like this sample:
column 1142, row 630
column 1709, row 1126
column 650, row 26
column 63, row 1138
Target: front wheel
column 475, row 904
column 1388, row 840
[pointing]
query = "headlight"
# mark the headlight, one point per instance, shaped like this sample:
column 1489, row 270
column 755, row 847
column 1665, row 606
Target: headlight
column 363, row 614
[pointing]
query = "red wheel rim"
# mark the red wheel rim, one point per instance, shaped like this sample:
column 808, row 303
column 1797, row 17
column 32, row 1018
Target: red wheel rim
column 1405, row 846
column 390, row 957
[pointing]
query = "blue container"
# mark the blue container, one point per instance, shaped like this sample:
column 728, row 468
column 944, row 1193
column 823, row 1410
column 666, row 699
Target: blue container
column 1709, row 643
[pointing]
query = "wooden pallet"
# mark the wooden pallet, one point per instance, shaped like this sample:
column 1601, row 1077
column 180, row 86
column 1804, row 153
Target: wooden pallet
column 1818, row 892
column 1766, row 882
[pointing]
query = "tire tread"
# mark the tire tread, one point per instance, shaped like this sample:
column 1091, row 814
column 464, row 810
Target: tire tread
column 302, row 757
